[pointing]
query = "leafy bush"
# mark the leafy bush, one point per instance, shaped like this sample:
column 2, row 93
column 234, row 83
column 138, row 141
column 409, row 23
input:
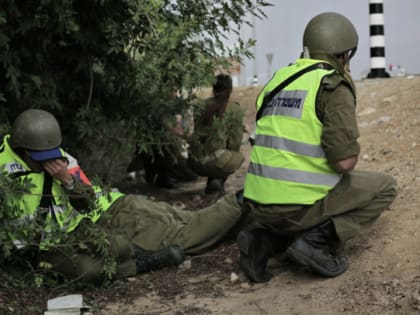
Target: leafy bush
column 108, row 69
column 21, row 266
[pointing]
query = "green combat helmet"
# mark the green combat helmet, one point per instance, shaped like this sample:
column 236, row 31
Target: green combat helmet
column 35, row 129
column 330, row 33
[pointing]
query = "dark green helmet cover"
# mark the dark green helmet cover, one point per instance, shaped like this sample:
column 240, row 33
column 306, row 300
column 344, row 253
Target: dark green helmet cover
column 331, row 33
column 35, row 129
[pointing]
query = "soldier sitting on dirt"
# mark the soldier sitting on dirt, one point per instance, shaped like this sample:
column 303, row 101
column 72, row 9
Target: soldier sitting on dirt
column 213, row 137
column 143, row 235
column 301, row 187
column 215, row 144
column 163, row 166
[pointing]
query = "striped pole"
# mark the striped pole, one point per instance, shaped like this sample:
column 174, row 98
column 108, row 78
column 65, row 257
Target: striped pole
column 377, row 40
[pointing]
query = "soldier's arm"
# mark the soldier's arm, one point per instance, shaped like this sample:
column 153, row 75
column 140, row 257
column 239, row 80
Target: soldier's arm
column 340, row 132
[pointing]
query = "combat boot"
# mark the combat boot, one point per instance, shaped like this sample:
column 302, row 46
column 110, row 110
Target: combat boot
column 215, row 185
column 147, row 260
column 314, row 250
column 256, row 246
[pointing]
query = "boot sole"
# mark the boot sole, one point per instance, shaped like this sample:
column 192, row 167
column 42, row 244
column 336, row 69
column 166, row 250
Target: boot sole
column 302, row 259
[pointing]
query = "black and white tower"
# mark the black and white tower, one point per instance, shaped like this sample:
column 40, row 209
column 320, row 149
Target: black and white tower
column 377, row 40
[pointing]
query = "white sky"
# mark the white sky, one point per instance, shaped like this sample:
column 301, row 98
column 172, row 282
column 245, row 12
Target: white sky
column 281, row 34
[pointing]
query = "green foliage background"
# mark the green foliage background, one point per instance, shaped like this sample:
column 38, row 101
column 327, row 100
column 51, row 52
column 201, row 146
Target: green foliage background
column 108, row 69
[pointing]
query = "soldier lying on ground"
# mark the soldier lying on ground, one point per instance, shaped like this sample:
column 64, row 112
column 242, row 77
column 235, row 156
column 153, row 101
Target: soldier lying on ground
column 143, row 235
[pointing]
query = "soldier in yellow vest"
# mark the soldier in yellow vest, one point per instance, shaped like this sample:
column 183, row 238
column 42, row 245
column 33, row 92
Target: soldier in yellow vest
column 301, row 186
column 144, row 235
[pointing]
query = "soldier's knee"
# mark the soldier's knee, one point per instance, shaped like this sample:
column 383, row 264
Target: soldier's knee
column 390, row 185
column 90, row 269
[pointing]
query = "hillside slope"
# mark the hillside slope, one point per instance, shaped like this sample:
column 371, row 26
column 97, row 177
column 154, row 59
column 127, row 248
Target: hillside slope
column 384, row 273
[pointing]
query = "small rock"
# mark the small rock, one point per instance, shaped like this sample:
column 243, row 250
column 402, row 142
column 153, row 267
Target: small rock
column 367, row 111
column 228, row 261
column 131, row 279
column 305, row 296
column 197, row 198
column 131, row 176
column 363, row 124
column 385, row 151
column 233, row 277
column 245, row 285
column 415, row 298
column 384, row 119
column 395, row 282
column 185, row 265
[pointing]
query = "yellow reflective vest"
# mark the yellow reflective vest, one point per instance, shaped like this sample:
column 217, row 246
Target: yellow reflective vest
column 287, row 163
column 28, row 206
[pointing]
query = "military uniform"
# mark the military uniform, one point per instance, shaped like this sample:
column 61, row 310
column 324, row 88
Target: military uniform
column 360, row 196
column 301, row 184
column 151, row 225
column 215, row 146
column 128, row 220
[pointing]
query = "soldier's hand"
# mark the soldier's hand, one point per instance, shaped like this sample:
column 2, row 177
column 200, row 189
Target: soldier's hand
column 58, row 170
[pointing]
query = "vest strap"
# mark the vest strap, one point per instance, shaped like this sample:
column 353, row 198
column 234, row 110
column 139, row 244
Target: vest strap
column 47, row 200
column 269, row 96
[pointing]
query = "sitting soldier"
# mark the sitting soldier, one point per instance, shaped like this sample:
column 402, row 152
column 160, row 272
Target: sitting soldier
column 215, row 144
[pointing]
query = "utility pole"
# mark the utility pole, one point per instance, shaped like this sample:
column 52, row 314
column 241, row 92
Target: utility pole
column 269, row 60
column 255, row 61
column 243, row 72
column 377, row 40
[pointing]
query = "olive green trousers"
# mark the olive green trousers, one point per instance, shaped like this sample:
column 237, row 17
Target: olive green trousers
column 151, row 225
column 356, row 201
column 219, row 164
column 154, row 225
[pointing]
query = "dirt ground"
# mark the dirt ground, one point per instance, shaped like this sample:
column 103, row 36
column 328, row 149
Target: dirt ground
column 384, row 273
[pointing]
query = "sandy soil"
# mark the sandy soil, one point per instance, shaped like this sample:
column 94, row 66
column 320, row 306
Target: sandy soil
column 384, row 273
